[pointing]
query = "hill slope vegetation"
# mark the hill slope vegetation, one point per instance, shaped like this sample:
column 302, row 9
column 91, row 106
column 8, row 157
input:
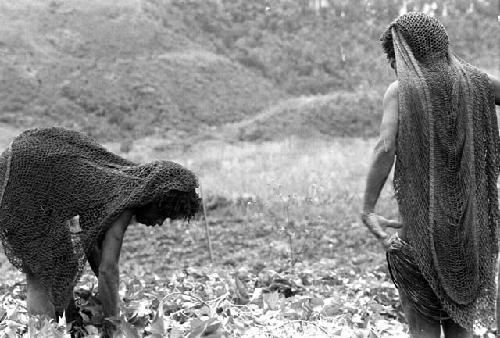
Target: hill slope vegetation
column 237, row 69
column 113, row 72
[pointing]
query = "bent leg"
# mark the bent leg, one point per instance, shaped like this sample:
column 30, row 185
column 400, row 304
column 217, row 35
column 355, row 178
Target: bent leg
column 38, row 298
column 453, row 330
column 419, row 326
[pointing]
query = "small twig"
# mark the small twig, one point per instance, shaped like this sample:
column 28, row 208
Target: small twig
column 290, row 238
column 200, row 300
column 207, row 230
column 219, row 299
column 301, row 321
column 289, row 233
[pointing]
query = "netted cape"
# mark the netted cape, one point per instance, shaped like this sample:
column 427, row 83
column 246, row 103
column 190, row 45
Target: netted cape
column 447, row 168
column 49, row 176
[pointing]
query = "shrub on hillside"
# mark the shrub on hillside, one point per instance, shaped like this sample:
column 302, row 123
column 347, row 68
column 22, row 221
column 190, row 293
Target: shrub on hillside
column 346, row 114
column 291, row 43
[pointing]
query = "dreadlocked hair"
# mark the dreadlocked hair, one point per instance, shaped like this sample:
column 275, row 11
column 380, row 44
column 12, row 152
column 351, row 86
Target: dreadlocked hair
column 387, row 43
column 180, row 204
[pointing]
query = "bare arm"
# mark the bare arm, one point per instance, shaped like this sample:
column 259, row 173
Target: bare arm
column 108, row 268
column 496, row 88
column 385, row 150
column 382, row 162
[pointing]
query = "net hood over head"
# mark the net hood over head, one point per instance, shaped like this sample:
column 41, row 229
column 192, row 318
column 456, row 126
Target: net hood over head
column 50, row 176
column 446, row 167
column 425, row 35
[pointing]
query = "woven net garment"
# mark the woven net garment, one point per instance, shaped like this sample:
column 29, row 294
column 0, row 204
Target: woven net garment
column 446, row 170
column 49, row 176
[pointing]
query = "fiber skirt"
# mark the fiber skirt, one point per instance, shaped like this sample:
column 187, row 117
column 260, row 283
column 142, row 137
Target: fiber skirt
column 407, row 277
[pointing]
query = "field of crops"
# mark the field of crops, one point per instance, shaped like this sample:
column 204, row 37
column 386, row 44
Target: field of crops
column 274, row 105
column 290, row 256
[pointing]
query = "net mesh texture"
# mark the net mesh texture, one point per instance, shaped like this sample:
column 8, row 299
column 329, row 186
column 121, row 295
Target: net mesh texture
column 49, row 176
column 446, row 169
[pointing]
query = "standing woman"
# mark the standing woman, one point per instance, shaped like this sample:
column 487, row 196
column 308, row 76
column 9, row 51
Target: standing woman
column 440, row 128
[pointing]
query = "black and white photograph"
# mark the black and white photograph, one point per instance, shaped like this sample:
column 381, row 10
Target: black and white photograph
column 249, row 168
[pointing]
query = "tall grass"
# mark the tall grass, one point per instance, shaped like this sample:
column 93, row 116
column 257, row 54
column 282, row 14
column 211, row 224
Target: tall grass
column 327, row 175
column 306, row 182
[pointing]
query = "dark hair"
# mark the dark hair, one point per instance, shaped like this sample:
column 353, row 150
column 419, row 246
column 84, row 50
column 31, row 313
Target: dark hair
column 425, row 35
column 388, row 43
column 180, row 204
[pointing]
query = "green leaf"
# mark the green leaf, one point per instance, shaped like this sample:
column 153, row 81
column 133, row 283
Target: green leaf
column 212, row 325
column 157, row 327
column 197, row 328
column 271, row 300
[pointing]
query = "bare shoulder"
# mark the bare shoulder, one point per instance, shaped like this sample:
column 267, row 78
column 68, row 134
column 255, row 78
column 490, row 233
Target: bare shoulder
column 392, row 92
column 494, row 80
column 125, row 216
column 390, row 118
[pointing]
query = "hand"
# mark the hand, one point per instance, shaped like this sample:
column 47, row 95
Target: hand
column 375, row 222
column 388, row 223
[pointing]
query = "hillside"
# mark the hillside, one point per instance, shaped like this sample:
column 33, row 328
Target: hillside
column 115, row 72
column 315, row 116
column 226, row 69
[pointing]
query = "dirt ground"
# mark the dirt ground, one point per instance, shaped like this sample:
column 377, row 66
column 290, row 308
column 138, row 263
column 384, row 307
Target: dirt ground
column 290, row 240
